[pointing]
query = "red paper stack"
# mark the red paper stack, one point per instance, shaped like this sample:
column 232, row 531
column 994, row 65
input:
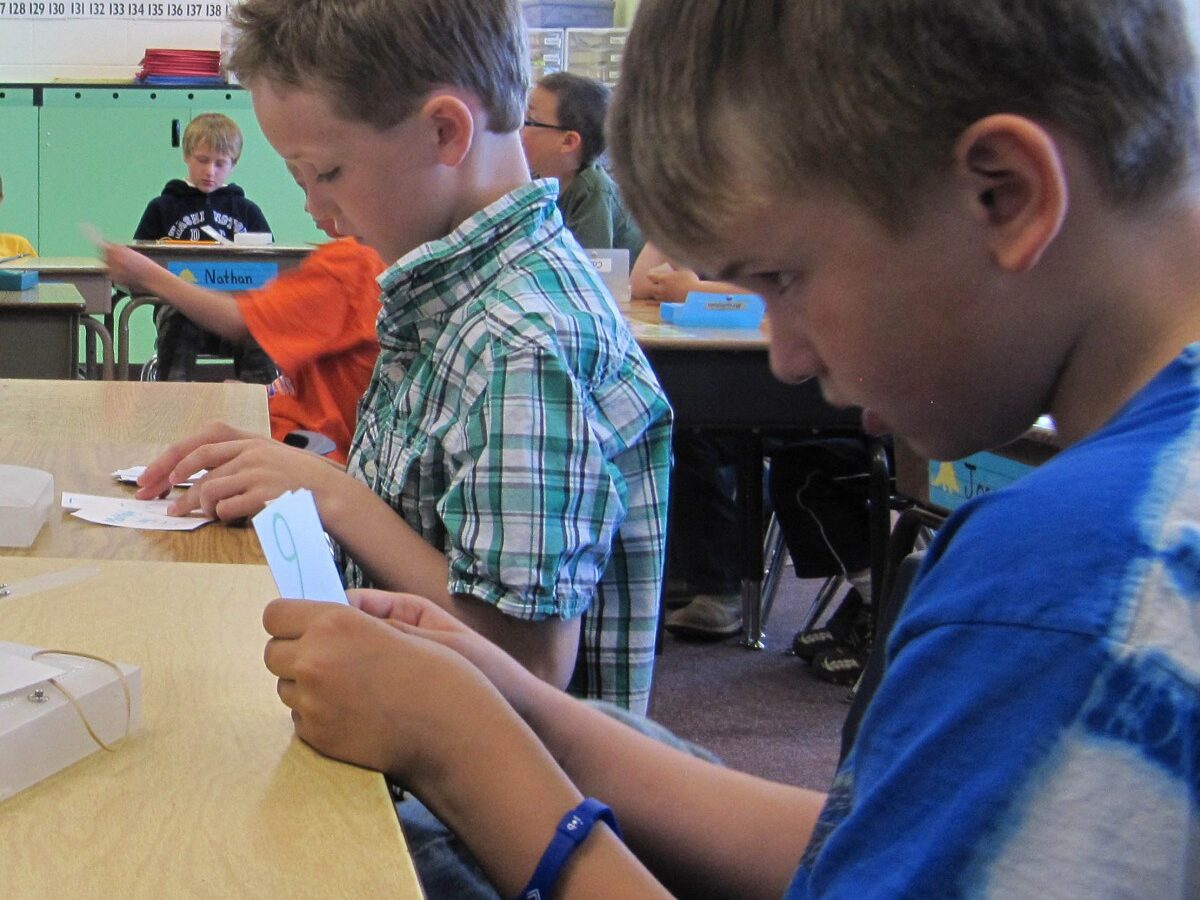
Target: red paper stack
column 180, row 67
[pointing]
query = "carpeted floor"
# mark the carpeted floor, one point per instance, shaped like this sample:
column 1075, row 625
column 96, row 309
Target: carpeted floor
column 763, row 712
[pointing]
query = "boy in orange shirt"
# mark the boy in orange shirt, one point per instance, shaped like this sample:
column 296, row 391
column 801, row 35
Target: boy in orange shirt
column 317, row 322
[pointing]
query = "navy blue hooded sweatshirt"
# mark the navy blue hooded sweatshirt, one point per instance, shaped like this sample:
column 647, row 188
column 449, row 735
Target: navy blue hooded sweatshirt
column 180, row 211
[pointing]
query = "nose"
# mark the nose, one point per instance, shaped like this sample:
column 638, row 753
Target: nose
column 318, row 204
column 793, row 358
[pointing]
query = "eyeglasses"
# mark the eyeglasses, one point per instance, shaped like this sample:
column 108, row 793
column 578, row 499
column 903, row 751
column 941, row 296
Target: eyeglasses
column 534, row 123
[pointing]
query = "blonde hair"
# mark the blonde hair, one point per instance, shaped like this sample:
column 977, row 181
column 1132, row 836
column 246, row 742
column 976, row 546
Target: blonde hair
column 216, row 131
column 376, row 59
column 749, row 97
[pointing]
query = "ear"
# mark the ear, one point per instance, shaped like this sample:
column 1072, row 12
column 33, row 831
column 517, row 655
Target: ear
column 572, row 142
column 452, row 127
column 1017, row 187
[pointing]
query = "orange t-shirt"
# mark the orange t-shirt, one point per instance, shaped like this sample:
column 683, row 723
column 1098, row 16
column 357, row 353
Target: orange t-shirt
column 317, row 322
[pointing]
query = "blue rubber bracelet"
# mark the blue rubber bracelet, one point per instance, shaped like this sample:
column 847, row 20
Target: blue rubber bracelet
column 572, row 831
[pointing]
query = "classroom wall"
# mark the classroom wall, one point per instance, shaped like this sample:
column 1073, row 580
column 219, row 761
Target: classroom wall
column 84, row 40
column 104, row 48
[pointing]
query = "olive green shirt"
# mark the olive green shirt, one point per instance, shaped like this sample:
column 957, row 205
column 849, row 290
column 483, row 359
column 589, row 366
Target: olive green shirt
column 592, row 208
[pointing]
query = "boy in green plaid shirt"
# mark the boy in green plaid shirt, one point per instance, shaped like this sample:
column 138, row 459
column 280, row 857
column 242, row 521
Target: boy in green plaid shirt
column 512, row 450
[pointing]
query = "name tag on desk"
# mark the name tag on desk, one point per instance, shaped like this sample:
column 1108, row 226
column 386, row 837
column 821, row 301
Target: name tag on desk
column 704, row 310
column 224, row 276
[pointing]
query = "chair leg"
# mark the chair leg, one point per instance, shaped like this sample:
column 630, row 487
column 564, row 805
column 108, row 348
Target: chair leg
column 879, row 517
column 774, row 558
column 825, row 595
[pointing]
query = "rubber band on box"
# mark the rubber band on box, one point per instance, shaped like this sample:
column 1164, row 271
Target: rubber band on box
column 75, row 703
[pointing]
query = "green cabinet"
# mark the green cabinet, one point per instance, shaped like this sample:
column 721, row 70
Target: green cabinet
column 105, row 152
column 19, row 162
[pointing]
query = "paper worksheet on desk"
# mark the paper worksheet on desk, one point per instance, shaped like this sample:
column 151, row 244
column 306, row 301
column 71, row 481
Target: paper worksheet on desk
column 125, row 512
column 293, row 541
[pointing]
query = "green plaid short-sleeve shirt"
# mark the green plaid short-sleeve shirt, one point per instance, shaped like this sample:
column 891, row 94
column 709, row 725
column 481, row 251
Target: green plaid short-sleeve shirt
column 515, row 424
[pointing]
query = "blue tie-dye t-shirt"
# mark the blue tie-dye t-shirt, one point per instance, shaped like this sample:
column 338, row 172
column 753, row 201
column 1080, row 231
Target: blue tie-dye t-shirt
column 1037, row 730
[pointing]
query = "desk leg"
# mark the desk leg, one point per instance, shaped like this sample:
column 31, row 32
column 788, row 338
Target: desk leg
column 750, row 491
column 89, row 352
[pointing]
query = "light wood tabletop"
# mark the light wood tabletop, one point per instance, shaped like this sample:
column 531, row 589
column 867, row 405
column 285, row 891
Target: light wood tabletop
column 80, row 412
column 82, row 431
column 214, row 796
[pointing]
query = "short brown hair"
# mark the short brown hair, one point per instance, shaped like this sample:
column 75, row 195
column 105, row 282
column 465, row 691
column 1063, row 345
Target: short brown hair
column 749, row 96
column 582, row 106
column 216, row 130
column 377, row 59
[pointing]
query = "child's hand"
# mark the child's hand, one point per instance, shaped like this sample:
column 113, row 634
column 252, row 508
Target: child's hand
column 672, row 286
column 364, row 691
column 247, row 473
column 164, row 472
column 127, row 267
column 421, row 617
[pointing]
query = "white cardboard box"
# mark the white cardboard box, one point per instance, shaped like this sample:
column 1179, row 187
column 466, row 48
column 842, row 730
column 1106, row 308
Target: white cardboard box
column 38, row 739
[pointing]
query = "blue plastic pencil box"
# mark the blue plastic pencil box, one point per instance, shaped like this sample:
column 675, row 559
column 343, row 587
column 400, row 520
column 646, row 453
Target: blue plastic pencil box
column 18, row 279
column 704, row 310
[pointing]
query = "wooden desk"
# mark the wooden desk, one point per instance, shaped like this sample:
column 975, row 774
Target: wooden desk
column 90, row 277
column 39, row 331
column 174, row 255
column 720, row 381
column 88, row 274
column 80, row 431
column 286, row 256
column 214, row 796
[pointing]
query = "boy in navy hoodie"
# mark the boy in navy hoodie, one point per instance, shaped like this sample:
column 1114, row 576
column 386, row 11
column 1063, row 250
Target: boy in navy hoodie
column 193, row 210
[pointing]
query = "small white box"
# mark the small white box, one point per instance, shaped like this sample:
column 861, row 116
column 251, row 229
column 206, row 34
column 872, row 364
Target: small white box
column 26, row 496
column 38, row 739
column 253, row 238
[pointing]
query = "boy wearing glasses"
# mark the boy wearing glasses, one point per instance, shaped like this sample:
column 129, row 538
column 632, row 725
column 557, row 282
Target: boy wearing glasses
column 563, row 138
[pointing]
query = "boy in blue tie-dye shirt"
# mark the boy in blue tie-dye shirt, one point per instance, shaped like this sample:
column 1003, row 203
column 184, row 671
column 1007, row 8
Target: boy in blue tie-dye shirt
column 961, row 216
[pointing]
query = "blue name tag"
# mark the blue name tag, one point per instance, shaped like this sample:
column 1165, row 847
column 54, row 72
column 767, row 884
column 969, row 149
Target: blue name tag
column 951, row 484
column 703, row 310
column 224, row 276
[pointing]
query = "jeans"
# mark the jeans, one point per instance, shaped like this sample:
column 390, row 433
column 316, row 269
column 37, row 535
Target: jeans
column 703, row 534
column 446, row 867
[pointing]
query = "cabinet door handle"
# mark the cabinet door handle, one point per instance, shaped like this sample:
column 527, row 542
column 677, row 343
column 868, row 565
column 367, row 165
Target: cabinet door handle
column 175, row 132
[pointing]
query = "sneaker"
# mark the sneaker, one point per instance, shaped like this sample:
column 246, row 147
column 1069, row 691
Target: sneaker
column 841, row 628
column 841, row 664
column 707, row 617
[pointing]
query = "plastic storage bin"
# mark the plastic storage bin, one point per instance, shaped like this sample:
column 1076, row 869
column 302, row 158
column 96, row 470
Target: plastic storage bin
column 596, row 52
column 25, row 499
column 568, row 13
column 545, row 51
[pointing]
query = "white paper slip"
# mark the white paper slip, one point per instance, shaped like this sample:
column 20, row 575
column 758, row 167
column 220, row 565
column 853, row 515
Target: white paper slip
column 144, row 521
column 133, row 473
column 215, row 235
column 19, row 672
column 125, row 512
column 293, row 541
